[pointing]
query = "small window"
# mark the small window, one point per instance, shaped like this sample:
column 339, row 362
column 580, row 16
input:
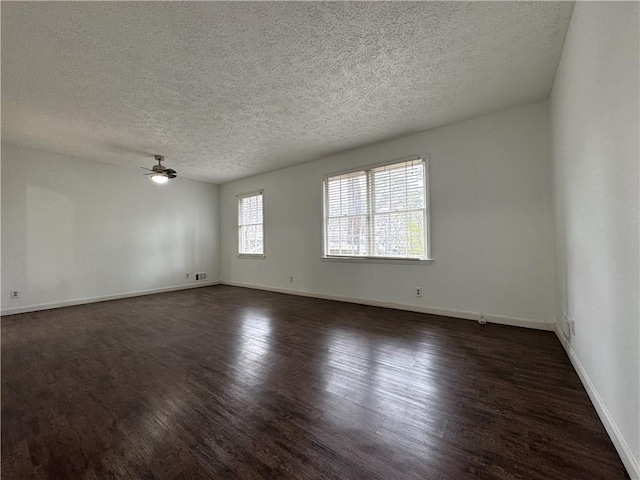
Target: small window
column 250, row 225
column 380, row 212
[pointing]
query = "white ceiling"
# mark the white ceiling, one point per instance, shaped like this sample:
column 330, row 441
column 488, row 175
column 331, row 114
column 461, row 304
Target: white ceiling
column 227, row 90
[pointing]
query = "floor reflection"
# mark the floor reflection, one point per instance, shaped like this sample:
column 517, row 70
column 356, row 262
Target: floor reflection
column 384, row 388
column 253, row 346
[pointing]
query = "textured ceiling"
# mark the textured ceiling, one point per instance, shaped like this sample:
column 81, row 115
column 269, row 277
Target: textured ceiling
column 226, row 90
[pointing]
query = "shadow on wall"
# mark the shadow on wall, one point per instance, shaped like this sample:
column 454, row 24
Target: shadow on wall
column 49, row 240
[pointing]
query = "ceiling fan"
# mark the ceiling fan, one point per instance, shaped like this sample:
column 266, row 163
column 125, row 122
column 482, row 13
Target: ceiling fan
column 159, row 173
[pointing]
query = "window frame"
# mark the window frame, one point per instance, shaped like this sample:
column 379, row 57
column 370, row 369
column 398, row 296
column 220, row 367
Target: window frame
column 427, row 259
column 239, row 198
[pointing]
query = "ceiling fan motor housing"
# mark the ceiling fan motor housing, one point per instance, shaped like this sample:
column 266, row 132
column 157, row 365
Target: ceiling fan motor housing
column 158, row 168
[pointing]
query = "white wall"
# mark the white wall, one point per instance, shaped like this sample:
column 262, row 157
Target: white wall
column 74, row 229
column 594, row 117
column 491, row 218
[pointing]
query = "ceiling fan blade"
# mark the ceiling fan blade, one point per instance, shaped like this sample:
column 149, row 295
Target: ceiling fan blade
column 146, row 169
column 170, row 173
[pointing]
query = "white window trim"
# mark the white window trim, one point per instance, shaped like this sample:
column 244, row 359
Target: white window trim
column 255, row 256
column 428, row 260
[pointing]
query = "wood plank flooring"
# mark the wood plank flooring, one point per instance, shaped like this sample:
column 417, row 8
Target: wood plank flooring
column 231, row 383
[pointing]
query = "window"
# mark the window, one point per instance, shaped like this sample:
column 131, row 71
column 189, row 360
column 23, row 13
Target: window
column 250, row 225
column 381, row 212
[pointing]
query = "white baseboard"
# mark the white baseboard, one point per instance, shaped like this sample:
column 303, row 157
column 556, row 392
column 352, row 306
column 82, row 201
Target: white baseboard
column 103, row 298
column 626, row 455
column 503, row 320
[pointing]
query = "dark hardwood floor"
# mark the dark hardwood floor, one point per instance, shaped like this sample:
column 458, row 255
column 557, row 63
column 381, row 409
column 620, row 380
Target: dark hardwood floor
column 225, row 382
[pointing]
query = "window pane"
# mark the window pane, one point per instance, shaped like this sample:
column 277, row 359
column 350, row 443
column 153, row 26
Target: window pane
column 333, row 237
column 347, row 236
column 398, row 187
column 415, row 187
column 346, row 195
column 415, row 234
column 250, row 210
column 356, row 236
column 251, row 239
column 399, row 234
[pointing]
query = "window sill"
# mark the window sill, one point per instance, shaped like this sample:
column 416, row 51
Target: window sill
column 258, row 256
column 382, row 260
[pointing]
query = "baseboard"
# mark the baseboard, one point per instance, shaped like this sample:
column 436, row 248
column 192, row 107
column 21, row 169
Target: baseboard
column 626, row 455
column 103, row 298
column 502, row 320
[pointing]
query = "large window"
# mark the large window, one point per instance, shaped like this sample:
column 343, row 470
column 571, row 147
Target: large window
column 380, row 212
column 250, row 225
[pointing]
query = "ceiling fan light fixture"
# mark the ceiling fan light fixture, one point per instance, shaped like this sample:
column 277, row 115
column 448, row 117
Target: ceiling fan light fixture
column 159, row 178
column 160, row 174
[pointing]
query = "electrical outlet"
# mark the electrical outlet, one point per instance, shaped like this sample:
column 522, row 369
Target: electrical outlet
column 290, row 279
column 418, row 292
column 566, row 326
column 187, row 274
column 15, row 294
column 572, row 326
column 482, row 320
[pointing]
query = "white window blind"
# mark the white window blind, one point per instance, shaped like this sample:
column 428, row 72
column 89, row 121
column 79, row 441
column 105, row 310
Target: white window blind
column 380, row 212
column 250, row 225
